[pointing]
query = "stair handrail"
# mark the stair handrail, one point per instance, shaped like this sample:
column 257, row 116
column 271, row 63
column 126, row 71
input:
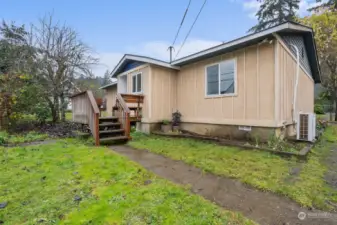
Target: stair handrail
column 85, row 105
column 123, row 114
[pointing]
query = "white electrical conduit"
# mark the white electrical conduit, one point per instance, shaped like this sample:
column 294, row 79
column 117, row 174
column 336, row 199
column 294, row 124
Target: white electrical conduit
column 296, row 83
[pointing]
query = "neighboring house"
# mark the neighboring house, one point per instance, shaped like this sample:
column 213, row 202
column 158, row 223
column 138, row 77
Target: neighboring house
column 245, row 85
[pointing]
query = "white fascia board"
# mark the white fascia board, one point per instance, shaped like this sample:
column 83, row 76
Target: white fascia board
column 145, row 60
column 108, row 85
column 152, row 61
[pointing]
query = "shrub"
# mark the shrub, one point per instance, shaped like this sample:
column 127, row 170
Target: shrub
column 166, row 122
column 42, row 112
column 3, row 137
column 318, row 109
column 176, row 118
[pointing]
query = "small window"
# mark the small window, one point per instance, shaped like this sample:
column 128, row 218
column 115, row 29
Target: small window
column 220, row 78
column 137, row 83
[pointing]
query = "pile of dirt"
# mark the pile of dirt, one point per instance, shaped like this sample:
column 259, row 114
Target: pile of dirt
column 54, row 130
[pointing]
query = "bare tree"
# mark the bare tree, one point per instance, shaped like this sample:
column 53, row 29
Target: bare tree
column 62, row 56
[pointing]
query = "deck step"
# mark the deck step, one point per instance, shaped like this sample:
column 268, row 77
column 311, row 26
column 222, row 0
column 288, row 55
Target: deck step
column 134, row 107
column 111, row 131
column 118, row 138
column 108, row 118
column 109, row 124
column 135, row 119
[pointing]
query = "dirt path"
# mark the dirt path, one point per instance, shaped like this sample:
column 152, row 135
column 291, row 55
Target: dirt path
column 262, row 207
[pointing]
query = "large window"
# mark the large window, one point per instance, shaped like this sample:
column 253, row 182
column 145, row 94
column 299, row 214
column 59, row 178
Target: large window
column 137, row 83
column 220, row 78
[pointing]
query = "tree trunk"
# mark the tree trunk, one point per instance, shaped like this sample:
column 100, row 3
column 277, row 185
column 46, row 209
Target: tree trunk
column 335, row 109
column 63, row 108
column 56, row 109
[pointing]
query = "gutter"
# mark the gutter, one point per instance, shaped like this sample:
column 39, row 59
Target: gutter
column 296, row 85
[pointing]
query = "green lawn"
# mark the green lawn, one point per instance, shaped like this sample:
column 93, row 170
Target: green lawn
column 6, row 138
column 71, row 183
column 69, row 116
column 303, row 182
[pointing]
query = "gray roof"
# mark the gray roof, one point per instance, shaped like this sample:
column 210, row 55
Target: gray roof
column 251, row 39
column 288, row 27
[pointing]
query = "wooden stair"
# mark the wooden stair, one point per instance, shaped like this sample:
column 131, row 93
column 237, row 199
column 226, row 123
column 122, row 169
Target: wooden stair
column 110, row 130
column 104, row 129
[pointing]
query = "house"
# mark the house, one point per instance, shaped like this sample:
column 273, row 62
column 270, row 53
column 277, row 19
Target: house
column 257, row 84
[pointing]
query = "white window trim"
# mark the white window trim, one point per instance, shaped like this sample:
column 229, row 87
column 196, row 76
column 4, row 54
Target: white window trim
column 235, row 79
column 141, row 90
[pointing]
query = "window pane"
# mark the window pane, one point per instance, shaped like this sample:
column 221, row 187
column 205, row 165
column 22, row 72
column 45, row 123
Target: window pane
column 139, row 82
column 134, row 84
column 212, row 80
column 227, row 77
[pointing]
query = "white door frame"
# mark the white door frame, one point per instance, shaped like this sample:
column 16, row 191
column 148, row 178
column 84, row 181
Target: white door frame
column 122, row 85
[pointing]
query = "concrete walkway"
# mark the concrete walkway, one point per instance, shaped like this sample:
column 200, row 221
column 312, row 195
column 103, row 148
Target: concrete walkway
column 262, row 207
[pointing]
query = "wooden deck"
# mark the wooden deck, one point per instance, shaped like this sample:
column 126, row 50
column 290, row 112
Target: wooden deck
column 128, row 109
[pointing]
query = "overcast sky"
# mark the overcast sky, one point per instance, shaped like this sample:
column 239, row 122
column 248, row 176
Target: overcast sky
column 145, row 27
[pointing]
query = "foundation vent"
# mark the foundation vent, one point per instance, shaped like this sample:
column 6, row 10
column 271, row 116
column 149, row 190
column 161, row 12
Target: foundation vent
column 306, row 127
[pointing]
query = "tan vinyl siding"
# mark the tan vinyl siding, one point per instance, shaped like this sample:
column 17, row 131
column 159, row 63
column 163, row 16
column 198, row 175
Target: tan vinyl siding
column 305, row 91
column 164, row 93
column 253, row 105
column 265, row 78
column 110, row 96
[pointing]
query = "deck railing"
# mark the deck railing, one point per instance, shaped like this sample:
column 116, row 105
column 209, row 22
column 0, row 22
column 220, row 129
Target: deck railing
column 122, row 111
column 134, row 102
column 85, row 111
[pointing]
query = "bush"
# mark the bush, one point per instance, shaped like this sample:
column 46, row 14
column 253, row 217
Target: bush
column 3, row 137
column 165, row 122
column 318, row 109
column 6, row 138
column 42, row 112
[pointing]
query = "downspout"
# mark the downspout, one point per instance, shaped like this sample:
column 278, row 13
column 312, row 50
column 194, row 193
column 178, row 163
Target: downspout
column 296, row 84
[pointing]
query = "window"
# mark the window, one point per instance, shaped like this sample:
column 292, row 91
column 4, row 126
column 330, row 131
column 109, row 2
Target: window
column 220, row 78
column 137, row 83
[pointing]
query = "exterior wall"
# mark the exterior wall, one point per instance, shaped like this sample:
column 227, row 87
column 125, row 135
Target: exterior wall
column 146, row 73
column 110, row 96
column 163, row 95
column 286, row 80
column 265, row 79
column 254, row 102
column 159, row 87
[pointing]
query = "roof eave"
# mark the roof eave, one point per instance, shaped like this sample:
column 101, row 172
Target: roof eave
column 240, row 41
column 108, row 85
column 144, row 59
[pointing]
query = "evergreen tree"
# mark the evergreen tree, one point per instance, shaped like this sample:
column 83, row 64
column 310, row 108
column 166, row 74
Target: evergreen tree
column 106, row 78
column 274, row 12
column 330, row 4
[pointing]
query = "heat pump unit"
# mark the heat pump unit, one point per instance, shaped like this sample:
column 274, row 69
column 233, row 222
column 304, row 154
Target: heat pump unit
column 306, row 127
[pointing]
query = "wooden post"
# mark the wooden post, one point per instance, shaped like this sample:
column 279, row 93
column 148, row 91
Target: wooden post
column 127, row 124
column 97, row 129
column 138, row 108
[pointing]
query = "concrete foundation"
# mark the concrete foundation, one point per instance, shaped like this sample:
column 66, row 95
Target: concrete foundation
column 233, row 131
column 147, row 127
column 224, row 131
